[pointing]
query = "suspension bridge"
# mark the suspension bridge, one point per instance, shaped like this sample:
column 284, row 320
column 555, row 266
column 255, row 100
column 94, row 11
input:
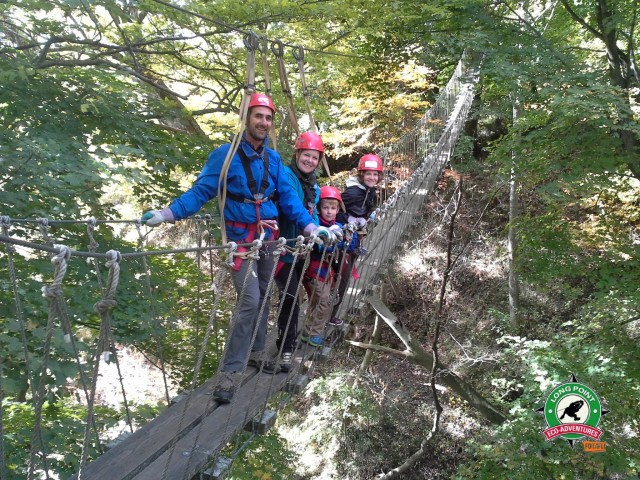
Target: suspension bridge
column 194, row 436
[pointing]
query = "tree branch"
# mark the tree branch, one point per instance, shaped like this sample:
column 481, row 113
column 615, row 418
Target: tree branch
column 380, row 348
column 126, row 41
column 122, row 68
column 581, row 21
column 45, row 50
column 418, row 355
column 409, row 462
column 336, row 40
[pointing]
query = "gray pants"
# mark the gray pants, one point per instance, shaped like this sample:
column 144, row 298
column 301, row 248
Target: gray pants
column 245, row 318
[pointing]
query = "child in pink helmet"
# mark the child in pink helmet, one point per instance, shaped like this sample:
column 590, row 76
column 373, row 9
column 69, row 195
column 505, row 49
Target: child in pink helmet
column 319, row 277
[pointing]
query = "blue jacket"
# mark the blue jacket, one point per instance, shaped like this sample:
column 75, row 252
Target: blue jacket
column 206, row 187
column 289, row 229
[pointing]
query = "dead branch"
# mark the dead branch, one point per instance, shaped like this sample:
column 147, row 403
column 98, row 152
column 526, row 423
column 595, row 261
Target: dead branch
column 380, row 348
column 416, row 353
column 410, row 461
column 375, row 339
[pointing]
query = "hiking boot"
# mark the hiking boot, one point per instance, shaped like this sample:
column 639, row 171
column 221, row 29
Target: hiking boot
column 335, row 321
column 286, row 361
column 257, row 360
column 226, row 386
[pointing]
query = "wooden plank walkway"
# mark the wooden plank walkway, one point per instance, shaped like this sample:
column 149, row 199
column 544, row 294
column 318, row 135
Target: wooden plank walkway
column 183, row 439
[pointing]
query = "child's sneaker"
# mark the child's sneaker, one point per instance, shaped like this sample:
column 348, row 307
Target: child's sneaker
column 335, row 321
column 314, row 340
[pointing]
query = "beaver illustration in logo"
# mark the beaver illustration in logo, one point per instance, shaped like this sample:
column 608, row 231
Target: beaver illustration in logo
column 573, row 409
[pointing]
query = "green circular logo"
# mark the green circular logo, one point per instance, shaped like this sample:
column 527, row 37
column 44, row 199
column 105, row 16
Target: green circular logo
column 572, row 411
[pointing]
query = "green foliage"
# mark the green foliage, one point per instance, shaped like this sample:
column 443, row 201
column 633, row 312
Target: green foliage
column 53, row 128
column 342, row 403
column 267, row 458
column 160, row 322
column 598, row 347
column 179, row 319
column 62, row 432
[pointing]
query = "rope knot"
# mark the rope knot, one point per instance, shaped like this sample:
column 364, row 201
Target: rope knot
column 104, row 305
column 232, row 247
column 5, row 220
column 254, row 252
column 311, row 242
column 91, row 226
column 256, row 244
column 113, row 257
column 51, row 291
column 280, row 247
column 63, row 254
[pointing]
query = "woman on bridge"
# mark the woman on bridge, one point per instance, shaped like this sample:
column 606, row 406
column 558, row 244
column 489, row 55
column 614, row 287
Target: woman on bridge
column 360, row 200
column 300, row 174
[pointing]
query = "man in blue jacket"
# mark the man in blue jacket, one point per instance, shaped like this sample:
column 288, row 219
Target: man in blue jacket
column 255, row 175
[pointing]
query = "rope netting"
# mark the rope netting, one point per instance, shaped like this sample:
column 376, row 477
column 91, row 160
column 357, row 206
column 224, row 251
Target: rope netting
column 420, row 157
column 175, row 307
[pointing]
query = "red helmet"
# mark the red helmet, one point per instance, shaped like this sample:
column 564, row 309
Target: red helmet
column 309, row 141
column 262, row 100
column 329, row 192
column 370, row 162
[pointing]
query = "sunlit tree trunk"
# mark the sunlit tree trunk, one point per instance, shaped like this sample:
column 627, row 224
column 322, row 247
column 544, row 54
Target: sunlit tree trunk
column 512, row 240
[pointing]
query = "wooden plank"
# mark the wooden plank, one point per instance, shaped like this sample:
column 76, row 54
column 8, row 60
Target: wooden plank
column 195, row 450
column 144, row 445
column 150, row 444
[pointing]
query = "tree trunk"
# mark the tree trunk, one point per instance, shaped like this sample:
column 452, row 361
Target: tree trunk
column 512, row 240
column 622, row 70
